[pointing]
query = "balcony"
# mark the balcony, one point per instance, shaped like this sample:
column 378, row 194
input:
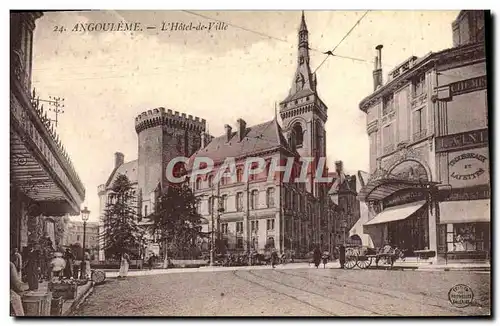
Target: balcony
column 419, row 135
column 39, row 165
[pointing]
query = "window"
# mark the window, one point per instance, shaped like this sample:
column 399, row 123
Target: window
column 468, row 237
column 210, row 181
column 270, row 197
column 239, row 227
column 211, row 202
column 388, row 138
column 254, row 226
column 388, row 104
column 298, row 134
column 239, row 201
column 254, row 199
column 198, row 183
column 198, row 207
column 270, row 224
column 224, row 203
column 224, row 228
column 419, row 85
column 419, row 123
column 239, row 243
column 255, row 243
column 239, row 175
column 146, row 210
column 77, row 237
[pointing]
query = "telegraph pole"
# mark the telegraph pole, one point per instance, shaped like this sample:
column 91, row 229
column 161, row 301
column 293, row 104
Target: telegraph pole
column 56, row 105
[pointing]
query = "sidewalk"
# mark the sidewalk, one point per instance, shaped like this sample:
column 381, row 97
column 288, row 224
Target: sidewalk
column 330, row 265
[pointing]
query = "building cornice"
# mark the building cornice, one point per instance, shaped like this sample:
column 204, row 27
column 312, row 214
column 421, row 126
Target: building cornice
column 459, row 54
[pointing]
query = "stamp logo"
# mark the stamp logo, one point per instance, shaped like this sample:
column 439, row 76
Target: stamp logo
column 461, row 296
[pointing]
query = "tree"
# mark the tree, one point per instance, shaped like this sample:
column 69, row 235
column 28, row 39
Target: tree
column 121, row 233
column 177, row 221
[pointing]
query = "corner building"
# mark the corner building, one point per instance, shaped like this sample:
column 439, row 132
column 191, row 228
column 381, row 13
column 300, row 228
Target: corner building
column 429, row 188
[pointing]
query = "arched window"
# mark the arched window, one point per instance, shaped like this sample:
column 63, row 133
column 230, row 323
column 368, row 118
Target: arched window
column 254, row 200
column 210, row 181
column 270, row 197
column 298, row 134
column 198, row 183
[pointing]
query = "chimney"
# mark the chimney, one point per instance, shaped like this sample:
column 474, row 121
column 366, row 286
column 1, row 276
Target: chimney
column 119, row 159
column 339, row 167
column 203, row 139
column 242, row 126
column 377, row 72
column 229, row 131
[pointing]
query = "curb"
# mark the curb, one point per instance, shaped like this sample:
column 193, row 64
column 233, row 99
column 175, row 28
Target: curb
column 77, row 302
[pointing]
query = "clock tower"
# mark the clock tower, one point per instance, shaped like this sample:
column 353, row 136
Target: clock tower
column 303, row 113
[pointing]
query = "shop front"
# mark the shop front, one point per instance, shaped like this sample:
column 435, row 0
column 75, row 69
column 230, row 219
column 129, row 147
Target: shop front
column 402, row 207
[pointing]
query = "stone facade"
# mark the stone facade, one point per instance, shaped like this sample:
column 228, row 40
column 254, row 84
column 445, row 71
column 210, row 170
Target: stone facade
column 430, row 115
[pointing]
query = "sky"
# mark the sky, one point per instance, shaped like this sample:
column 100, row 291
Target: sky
column 108, row 78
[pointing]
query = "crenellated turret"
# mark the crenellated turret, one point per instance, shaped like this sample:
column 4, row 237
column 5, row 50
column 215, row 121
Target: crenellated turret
column 160, row 116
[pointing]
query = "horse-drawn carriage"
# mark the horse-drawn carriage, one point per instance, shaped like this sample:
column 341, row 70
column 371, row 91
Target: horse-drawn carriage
column 365, row 254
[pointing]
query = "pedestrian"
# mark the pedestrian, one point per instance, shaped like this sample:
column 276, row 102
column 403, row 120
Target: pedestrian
column 69, row 258
column 316, row 256
column 125, row 261
column 32, row 267
column 16, row 287
column 150, row 261
column 325, row 257
column 274, row 258
column 17, row 259
column 342, row 256
column 57, row 265
column 86, row 265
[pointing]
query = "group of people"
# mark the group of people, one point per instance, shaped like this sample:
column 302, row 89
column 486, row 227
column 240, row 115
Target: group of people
column 319, row 256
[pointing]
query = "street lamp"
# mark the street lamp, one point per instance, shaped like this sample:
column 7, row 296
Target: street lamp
column 85, row 216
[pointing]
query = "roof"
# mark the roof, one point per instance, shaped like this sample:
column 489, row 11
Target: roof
column 129, row 169
column 258, row 138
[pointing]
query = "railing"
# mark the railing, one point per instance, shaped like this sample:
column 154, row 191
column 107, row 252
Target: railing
column 27, row 109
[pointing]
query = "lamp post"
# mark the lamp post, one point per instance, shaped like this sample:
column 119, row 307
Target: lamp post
column 85, row 216
column 344, row 227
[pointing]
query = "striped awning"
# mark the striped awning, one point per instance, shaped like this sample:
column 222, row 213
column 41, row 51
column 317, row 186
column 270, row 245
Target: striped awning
column 382, row 188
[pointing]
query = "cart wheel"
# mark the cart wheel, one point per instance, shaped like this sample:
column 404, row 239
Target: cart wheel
column 364, row 262
column 350, row 262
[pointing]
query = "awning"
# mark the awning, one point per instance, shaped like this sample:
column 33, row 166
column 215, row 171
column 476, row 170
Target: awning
column 396, row 213
column 464, row 211
column 382, row 188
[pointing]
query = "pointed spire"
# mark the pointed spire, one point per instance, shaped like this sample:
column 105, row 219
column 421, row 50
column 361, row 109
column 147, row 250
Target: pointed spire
column 303, row 26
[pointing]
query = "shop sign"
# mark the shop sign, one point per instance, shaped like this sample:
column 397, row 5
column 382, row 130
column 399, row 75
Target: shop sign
column 467, row 166
column 404, row 197
column 468, row 85
column 465, row 139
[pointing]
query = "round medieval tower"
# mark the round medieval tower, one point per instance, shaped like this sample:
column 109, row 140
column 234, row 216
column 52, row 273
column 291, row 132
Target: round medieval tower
column 162, row 136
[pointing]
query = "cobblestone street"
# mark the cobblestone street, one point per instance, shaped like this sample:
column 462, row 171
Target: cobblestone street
column 289, row 292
